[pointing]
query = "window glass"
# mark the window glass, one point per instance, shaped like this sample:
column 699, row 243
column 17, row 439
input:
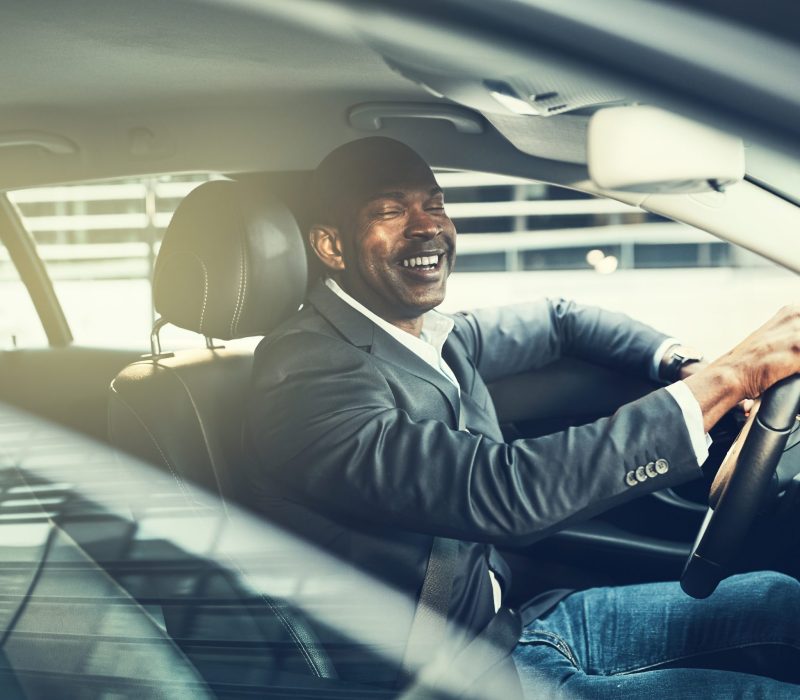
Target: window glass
column 20, row 326
column 99, row 241
column 519, row 240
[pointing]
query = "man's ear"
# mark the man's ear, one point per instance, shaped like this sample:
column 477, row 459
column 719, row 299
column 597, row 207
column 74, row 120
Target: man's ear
column 327, row 244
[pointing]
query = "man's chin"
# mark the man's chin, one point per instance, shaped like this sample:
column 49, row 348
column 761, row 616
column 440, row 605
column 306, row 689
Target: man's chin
column 423, row 305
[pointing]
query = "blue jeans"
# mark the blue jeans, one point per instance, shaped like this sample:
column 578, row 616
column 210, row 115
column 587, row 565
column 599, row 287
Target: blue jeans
column 653, row 641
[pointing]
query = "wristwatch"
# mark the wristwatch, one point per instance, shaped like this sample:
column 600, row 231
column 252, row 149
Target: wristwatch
column 675, row 359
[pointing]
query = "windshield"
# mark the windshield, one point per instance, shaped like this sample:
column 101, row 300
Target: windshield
column 777, row 171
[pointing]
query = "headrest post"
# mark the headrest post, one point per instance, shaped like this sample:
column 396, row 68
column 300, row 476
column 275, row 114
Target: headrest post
column 155, row 341
column 210, row 343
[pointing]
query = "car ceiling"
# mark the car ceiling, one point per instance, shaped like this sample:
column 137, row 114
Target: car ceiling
column 97, row 53
column 248, row 85
column 94, row 70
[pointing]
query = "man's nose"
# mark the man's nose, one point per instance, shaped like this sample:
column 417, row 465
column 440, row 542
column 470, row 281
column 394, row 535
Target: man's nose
column 422, row 225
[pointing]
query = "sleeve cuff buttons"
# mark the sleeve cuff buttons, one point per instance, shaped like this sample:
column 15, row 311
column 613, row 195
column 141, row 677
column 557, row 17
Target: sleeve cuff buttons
column 650, row 470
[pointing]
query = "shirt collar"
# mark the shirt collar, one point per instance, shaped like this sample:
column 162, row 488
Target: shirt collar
column 435, row 326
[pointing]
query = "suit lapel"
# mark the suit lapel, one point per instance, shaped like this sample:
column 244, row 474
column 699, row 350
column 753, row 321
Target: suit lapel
column 363, row 333
column 356, row 328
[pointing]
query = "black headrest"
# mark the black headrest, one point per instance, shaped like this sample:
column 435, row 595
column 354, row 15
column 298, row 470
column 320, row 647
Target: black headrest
column 232, row 263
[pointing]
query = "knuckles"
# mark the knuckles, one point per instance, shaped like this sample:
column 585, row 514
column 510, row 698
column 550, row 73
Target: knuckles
column 791, row 311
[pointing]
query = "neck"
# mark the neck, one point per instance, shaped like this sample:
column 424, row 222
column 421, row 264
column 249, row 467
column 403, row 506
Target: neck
column 409, row 325
column 412, row 325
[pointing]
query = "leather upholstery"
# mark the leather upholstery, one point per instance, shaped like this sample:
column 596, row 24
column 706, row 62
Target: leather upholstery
column 184, row 413
column 232, row 263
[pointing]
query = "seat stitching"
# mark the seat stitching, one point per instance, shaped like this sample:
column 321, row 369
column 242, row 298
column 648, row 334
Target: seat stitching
column 205, row 292
column 244, row 288
column 234, row 320
column 293, row 632
column 172, row 470
column 288, row 624
column 203, row 431
column 290, row 627
column 205, row 281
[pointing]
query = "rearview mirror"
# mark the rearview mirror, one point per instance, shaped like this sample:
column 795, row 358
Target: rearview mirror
column 640, row 148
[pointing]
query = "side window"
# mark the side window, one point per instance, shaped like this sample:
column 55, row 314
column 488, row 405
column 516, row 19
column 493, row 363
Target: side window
column 99, row 242
column 20, row 326
column 519, row 240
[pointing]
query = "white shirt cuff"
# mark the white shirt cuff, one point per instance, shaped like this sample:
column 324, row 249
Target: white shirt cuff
column 693, row 417
column 658, row 355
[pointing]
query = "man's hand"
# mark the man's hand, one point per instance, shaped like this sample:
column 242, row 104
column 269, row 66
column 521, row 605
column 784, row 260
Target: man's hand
column 763, row 358
column 745, row 406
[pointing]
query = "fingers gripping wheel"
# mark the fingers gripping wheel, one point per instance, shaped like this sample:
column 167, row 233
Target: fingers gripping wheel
column 741, row 486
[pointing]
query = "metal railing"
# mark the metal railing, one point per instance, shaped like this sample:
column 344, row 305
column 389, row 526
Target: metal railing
column 156, row 200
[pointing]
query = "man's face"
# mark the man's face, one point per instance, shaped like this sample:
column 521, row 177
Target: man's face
column 399, row 249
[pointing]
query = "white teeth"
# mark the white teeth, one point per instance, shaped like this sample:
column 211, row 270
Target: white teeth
column 422, row 261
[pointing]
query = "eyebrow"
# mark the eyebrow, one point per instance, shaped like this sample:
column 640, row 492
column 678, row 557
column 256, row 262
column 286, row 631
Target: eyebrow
column 401, row 195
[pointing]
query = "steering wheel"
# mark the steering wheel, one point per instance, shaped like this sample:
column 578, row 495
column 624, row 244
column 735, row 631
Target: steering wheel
column 741, row 486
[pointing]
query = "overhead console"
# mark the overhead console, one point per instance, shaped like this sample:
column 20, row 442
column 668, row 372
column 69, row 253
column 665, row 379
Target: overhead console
column 520, row 106
column 547, row 93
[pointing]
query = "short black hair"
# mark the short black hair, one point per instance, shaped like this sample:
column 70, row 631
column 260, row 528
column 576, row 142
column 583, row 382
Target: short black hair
column 351, row 172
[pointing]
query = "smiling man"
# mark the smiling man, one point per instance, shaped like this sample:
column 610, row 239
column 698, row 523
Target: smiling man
column 375, row 430
column 390, row 225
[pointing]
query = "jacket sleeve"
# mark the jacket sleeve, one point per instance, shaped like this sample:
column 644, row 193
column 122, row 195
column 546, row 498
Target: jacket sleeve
column 517, row 338
column 325, row 423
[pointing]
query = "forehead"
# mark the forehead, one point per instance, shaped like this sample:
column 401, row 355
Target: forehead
column 400, row 190
column 393, row 182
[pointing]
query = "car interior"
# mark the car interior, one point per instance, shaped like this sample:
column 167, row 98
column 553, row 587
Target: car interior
column 261, row 92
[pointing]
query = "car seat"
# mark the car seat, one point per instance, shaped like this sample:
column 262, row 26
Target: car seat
column 232, row 265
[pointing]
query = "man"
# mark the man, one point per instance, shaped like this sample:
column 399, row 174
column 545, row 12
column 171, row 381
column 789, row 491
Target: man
column 370, row 411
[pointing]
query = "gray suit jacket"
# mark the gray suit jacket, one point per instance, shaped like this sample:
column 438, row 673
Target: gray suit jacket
column 358, row 448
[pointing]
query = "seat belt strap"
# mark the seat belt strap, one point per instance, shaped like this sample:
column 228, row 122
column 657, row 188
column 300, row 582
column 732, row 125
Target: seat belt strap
column 425, row 647
column 430, row 618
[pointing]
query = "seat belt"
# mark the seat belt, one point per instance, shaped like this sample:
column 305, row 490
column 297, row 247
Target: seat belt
column 430, row 618
column 423, row 654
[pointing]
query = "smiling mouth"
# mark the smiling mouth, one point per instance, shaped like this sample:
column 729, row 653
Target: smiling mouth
column 423, row 263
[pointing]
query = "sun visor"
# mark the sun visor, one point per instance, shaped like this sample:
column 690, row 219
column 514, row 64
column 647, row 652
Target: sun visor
column 641, row 148
column 562, row 139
